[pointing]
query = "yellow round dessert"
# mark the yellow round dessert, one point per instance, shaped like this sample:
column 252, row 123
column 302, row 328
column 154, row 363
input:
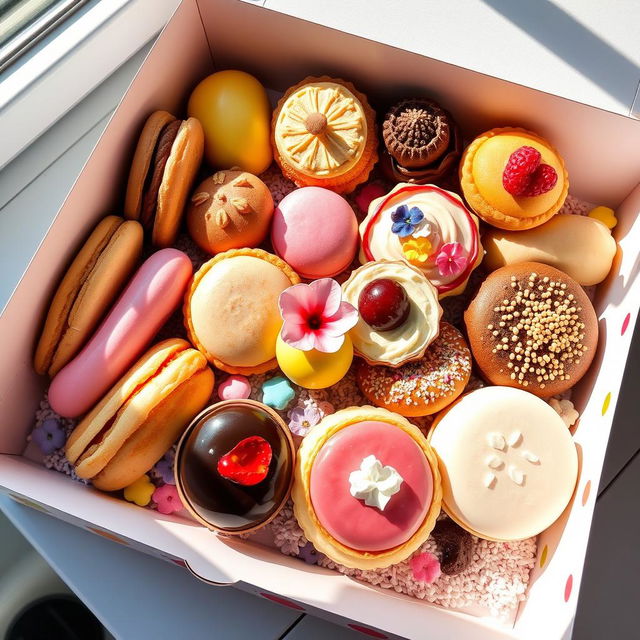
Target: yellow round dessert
column 323, row 134
column 231, row 309
column 234, row 110
column 314, row 369
column 481, row 177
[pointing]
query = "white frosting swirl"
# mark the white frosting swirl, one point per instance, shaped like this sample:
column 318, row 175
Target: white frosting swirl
column 374, row 483
column 415, row 334
column 447, row 222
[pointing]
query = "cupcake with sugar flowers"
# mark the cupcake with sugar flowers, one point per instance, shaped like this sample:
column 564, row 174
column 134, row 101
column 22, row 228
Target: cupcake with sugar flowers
column 427, row 227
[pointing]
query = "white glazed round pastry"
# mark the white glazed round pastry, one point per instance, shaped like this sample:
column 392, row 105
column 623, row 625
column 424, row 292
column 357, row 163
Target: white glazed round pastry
column 444, row 244
column 409, row 341
column 508, row 463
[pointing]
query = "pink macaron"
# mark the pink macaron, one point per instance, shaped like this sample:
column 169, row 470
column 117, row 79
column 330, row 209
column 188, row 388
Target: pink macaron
column 315, row 230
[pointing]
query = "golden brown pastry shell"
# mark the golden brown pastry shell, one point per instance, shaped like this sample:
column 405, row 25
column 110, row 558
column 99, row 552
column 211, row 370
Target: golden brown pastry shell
column 303, row 508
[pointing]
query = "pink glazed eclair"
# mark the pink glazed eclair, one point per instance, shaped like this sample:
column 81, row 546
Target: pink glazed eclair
column 153, row 294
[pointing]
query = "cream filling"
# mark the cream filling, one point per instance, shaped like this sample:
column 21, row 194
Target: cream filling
column 411, row 338
column 448, row 224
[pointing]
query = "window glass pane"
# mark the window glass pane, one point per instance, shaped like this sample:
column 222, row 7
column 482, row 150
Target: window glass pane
column 23, row 23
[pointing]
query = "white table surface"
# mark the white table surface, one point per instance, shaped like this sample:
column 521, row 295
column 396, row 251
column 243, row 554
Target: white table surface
column 131, row 592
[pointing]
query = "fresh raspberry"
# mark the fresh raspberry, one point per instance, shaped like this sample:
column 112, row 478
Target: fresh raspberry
column 543, row 179
column 520, row 167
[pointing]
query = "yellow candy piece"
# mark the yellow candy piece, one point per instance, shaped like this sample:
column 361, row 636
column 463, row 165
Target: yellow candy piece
column 234, row 110
column 606, row 215
column 140, row 491
column 314, row 369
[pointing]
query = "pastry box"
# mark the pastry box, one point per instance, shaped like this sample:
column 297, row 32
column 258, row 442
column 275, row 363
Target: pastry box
column 601, row 150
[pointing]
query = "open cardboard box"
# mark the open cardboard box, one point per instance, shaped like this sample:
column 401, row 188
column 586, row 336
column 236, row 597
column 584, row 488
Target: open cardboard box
column 601, row 153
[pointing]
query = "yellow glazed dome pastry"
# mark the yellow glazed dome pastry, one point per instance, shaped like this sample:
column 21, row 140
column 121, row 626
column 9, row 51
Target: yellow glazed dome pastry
column 323, row 134
column 367, row 487
column 231, row 309
column 513, row 179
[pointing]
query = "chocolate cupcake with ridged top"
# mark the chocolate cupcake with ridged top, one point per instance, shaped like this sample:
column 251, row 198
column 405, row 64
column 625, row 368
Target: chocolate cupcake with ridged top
column 423, row 143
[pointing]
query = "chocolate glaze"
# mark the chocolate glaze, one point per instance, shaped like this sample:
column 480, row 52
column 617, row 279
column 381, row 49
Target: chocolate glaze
column 156, row 172
column 225, row 505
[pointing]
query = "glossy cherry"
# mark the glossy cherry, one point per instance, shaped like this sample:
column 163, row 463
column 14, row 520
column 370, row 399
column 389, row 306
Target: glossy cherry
column 383, row 304
column 248, row 462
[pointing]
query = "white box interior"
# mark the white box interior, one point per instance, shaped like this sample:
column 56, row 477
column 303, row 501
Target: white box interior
column 601, row 153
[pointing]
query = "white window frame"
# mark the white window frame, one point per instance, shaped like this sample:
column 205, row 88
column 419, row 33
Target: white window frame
column 68, row 66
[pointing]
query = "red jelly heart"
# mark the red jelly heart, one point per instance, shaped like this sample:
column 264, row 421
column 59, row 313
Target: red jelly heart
column 248, row 462
column 384, row 304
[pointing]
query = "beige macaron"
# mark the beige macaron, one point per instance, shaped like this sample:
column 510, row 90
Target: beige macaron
column 89, row 287
column 165, row 164
column 134, row 425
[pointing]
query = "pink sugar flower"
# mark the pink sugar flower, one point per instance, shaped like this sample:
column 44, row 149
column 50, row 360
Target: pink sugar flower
column 451, row 260
column 315, row 316
column 167, row 499
column 425, row 567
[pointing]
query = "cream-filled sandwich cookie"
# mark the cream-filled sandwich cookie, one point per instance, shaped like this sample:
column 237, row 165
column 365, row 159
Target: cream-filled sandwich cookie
column 508, row 463
column 367, row 488
column 231, row 309
column 427, row 227
column 399, row 313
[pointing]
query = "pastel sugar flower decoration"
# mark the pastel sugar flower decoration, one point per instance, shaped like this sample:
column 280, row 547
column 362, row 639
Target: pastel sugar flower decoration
column 277, row 393
column 406, row 220
column 309, row 554
column 301, row 419
column 425, row 567
column 451, row 260
column 315, row 317
column 49, row 436
column 167, row 499
column 164, row 468
column 140, row 491
column 416, row 250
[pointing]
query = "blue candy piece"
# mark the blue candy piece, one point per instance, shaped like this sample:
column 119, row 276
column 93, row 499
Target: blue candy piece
column 277, row 393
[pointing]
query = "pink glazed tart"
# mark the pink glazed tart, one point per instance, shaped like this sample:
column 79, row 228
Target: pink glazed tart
column 367, row 487
column 315, row 231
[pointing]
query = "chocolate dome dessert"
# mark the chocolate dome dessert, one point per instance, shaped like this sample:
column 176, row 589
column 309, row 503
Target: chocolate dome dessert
column 234, row 466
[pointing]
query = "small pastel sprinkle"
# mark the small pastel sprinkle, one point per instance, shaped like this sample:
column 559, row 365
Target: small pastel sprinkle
column 277, row 393
column 567, row 588
column 167, row 499
column 625, row 324
column 140, row 491
column 543, row 555
column 606, row 403
column 49, row 436
column 234, row 388
column 586, row 492
column 606, row 215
